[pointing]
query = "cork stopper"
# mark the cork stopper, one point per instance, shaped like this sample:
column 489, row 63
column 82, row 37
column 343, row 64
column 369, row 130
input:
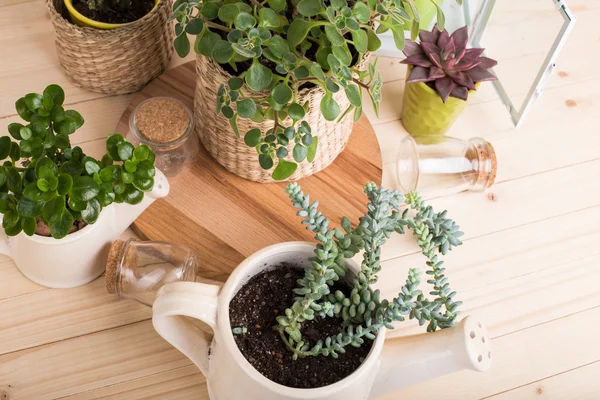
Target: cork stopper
column 114, row 256
column 162, row 120
column 487, row 165
column 491, row 155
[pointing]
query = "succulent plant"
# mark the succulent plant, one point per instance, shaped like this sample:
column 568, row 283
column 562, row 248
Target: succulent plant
column 277, row 48
column 45, row 180
column 445, row 62
column 362, row 311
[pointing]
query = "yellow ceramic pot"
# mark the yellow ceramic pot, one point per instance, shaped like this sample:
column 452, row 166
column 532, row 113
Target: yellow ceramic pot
column 424, row 113
column 82, row 20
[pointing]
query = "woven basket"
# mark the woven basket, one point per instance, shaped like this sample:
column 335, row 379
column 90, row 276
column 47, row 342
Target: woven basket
column 233, row 154
column 116, row 61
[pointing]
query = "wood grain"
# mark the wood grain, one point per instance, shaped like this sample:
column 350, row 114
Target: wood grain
column 225, row 218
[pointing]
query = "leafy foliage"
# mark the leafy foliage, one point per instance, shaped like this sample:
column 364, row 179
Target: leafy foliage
column 446, row 61
column 289, row 44
column 44, row 177
column 363, row 312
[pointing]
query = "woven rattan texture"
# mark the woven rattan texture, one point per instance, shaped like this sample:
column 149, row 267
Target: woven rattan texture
column 233, row 154
column 116, row 61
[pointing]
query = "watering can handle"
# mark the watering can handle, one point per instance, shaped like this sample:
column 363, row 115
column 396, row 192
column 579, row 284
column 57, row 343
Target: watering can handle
column 178, row 300
column 412, row 359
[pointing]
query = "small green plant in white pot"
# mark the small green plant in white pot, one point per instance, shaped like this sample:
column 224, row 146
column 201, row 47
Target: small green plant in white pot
column 61, row 208
column 295, row 321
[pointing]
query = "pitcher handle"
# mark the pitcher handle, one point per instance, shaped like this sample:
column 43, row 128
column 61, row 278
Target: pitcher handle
column 178, row 300
column 409, row 360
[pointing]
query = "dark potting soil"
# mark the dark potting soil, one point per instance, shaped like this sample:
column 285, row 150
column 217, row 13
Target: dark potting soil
column 135, row 11
column 256, row 306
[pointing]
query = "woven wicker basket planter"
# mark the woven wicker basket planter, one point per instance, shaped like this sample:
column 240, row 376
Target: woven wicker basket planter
column 233, row 154
column 116, row 61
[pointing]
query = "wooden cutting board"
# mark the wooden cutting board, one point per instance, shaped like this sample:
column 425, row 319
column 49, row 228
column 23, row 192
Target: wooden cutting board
column 225, row 218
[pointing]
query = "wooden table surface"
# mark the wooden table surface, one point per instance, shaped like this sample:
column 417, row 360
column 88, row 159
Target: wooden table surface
column 528, row 267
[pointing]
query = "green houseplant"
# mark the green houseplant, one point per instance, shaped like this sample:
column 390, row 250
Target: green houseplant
column 442, row 73
column 284, row 69
column 47, row 186
column 362, row 310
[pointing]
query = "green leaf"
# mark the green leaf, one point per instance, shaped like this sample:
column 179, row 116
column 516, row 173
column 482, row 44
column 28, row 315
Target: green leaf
column 354, row 95
column 65, row 183
column 56, row 93
column 296, row 111
column 329, row 107
column 66, row 127
column 441, row 19
column 310, row 8
column 13, row 180
column 15, row 152
column 33, row 101
column 73, row 168
column 243, row 51
column 298, row 30
column 14, row 129
column 334, row 35
column 299, row 152
column 235, row 83
column 342, row 54
column 30, row 208
column 84, row 188
column 339, row 4
column 76, row 205
column 279, row 46
column 63, row 226
column 2, row 175
column 43, row 172
column 253, row 137
column 373, row 42
column 75, row 116
column 22, row 109
column 194, row 27
column 244, row 21
column 258, row 77
column 132, row 195
column 222, row 52
column 277, row 5
column 227, row 111
column 54, row 209
column 33, row 192
column 206, row 42
column 92, row 211
column 125, row 151
column 105, row 198
column 360, row 40
column 331, row 85
column 282, row 94
column 284, row 170
column 268, row 18
column 228, row 12
column 143, row 184
column 265, row 161
column 246, row 108
column 28, row 224
column 26, row 133
column 145, row 169
column 112, row 145
column 5, row 145
column 312, row 150
column 361, row 12
column 398, row 35
column 10, row 219
column 182, row 45
column 210, row 10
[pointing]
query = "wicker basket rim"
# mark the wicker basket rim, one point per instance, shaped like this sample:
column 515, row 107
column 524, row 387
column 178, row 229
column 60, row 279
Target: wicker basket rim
column 106, row 32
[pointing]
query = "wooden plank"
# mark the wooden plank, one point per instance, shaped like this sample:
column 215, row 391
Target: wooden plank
column 13, row 283
column 520, row 358
column 87, row 363
column 179, row 384
column 580, row 383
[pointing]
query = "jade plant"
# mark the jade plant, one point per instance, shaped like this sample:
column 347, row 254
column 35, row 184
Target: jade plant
column 443, row 61
column 45, row 180
column 362, row 310
column 278, row 47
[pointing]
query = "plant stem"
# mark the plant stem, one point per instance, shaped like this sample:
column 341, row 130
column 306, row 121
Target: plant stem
column 359, row 83
column 217, row 26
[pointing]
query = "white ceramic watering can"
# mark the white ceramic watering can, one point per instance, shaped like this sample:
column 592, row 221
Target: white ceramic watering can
column 80, row 257
column 390, row 365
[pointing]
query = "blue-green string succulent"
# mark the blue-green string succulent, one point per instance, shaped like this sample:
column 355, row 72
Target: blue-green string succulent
column 363, row 311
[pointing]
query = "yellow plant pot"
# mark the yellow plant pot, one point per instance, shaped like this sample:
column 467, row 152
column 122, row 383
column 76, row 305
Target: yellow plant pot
column 424, row 113
column 81, row 20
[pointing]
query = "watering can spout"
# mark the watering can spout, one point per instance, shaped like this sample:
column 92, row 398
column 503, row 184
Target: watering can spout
column 412, row 359
column 125, row 214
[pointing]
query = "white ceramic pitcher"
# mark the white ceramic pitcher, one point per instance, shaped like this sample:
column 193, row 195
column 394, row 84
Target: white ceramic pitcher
column 80, row 257
column 390, row 365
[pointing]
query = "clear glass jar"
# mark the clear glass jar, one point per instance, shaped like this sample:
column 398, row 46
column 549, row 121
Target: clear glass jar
column 171, row 156
column 136, row 270
column 437, row 166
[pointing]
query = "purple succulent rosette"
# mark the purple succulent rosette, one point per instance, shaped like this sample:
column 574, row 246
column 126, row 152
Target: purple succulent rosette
column 444, row 60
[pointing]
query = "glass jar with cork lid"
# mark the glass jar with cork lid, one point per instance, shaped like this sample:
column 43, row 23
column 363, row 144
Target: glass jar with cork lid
column 167, row 126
